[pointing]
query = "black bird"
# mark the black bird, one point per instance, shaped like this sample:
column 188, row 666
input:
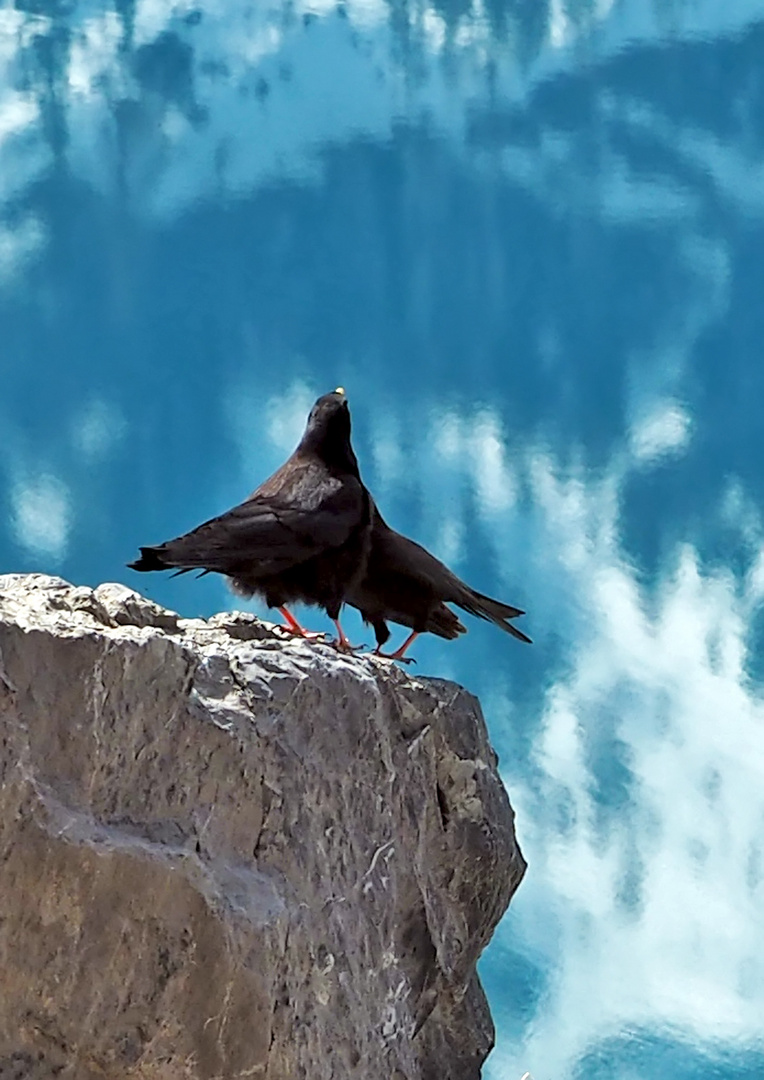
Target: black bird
column 404, row 583
column 303, row 535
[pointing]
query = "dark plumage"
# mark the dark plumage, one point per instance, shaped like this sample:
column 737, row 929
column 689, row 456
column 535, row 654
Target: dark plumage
column 404, row 583
column 303, row 535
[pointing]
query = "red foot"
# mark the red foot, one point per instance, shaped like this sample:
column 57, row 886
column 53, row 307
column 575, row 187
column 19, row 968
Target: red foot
column 293, row 627
column 342, row 644
column 398, row 654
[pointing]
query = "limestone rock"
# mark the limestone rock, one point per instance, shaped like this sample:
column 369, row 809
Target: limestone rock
column 226, row 853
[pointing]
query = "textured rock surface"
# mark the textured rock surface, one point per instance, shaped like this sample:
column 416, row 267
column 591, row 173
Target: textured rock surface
column 224, row 854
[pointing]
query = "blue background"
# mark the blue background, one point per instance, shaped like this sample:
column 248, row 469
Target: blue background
column 527, row 239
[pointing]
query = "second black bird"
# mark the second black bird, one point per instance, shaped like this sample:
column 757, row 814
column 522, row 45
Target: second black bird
column 404, row 583
column 303, row 535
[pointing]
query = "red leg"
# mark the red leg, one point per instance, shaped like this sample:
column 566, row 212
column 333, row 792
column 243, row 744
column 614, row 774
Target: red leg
column 342, row 642
column 294, row 627
column 398, row 654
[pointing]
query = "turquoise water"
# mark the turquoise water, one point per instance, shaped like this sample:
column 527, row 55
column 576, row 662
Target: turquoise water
column 528, row 240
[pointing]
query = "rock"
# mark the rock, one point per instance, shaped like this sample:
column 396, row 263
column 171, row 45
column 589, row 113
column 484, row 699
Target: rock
column 228, row 853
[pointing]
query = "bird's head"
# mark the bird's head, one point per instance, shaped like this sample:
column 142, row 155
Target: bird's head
column 328, row 431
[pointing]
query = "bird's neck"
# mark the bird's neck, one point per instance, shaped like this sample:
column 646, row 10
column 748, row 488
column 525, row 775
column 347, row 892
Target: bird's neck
column 336, row 453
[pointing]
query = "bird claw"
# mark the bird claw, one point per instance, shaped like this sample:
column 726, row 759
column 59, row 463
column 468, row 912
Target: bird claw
column 341, row 643
column 393, row 656
column 344, row 646
column 303, row 635
column 292, row 627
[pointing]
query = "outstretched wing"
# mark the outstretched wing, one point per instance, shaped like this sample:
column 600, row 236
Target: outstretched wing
column 263, row 536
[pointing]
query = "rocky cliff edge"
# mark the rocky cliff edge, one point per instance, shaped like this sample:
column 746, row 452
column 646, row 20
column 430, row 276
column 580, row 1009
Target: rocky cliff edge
column 225, row 853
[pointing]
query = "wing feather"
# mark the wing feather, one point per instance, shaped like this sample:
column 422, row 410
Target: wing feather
column 268, row 535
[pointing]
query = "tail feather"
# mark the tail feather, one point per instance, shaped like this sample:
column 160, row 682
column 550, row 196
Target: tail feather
column 495, row 608
column 510, row 629
column 443, row 622
column 495, row 611
column 161, row 558
column 150, row 560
